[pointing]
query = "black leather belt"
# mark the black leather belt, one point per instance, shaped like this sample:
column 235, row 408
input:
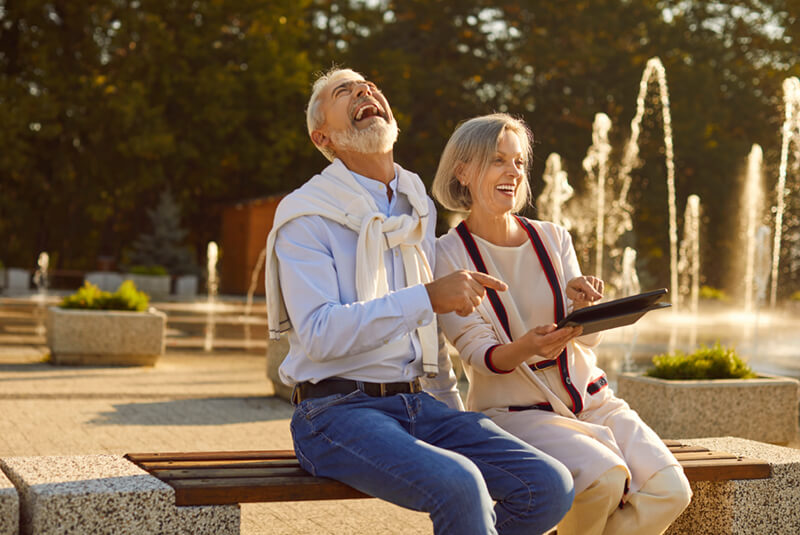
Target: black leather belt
column 328, row 387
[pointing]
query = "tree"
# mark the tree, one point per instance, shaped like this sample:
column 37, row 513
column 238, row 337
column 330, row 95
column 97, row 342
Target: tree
column 165, row 244
column 106, row 103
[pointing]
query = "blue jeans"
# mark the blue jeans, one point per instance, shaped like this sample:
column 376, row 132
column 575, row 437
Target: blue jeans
column 414, row 451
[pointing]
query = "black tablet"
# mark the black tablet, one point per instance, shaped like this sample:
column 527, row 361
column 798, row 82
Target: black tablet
column 616, row 313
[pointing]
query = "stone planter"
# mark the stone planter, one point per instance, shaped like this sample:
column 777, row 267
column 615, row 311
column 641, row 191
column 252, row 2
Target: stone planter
column 105, row 337
column 17, row 280
column 763, row 409
column 276, row 352
column 186, row 285
column 107, row 281
column 153, row 285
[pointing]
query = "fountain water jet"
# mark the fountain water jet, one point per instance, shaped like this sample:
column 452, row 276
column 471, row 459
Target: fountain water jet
column 752, row 207
column 248, row 307
column 630, row 158
column 556, row 192
column 212, row 254
column 689, row 261
column 790, row 132
column 40, row 280
column 596, row 166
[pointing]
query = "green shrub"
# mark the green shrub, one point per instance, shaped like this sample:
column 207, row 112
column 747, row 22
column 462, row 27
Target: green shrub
column 89, row 296
column 715, row 362
column 708, row 292
column 148, row 270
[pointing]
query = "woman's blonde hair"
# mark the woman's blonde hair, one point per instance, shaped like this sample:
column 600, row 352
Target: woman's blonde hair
column 472, row 148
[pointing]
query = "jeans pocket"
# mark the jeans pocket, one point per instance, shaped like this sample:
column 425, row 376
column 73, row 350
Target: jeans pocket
column 313, row 407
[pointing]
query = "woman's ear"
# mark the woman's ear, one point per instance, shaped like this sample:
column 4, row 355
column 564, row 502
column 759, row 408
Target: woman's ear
column 460, row 174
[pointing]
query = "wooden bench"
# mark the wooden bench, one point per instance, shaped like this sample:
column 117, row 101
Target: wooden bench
column 222, row 478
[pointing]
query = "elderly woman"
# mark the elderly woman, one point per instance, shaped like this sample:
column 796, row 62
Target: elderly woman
column 534, row 380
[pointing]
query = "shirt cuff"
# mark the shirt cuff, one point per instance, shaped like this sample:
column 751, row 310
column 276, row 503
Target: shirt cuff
column 487, row 359
column 416, row 306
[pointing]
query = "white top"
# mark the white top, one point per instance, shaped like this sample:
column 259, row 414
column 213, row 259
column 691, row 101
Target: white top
column 528, row 302
column 334, row 333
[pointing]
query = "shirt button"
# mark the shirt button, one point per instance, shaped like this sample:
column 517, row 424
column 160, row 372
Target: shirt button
column 397, row 253
column 386, row 341
column 420, row 322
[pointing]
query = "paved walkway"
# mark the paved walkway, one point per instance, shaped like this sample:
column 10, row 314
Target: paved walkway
column 191, row 400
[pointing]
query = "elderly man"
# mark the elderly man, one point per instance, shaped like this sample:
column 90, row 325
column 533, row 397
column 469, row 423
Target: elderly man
column 349, row 278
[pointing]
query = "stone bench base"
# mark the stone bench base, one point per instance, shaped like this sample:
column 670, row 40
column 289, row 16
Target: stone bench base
column 9, row 507
column 740, row 507
column 104, row 494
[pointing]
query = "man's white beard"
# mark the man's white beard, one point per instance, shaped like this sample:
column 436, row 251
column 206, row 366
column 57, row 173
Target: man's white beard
column 378, row 137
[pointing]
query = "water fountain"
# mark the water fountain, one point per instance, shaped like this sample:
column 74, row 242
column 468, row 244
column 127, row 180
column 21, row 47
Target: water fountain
column 689, row 258
column 630, row 158
column 40, row 281
column 789, row 132
column 596, row 166
column 549, row 204
column 752, row 201
column 212, row 254
column 251, row 290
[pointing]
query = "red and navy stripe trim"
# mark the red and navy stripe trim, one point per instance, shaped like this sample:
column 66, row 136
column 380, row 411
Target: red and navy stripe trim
column 597, row 385
column 487, row 359
column 538, row 406
column 477, row 259
column 559, row 309
column 543, row 364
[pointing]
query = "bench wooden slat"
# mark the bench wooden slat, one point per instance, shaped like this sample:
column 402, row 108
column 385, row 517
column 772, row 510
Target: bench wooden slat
column 686, row 449
column 219, row 478
column 229, row 473
column 269, row 489
column 190, row 465
column 211, row 456
column 704, row 456
column 726, row 469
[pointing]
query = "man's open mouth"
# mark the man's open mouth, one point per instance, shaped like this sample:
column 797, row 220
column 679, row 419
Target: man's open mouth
column 367, row 110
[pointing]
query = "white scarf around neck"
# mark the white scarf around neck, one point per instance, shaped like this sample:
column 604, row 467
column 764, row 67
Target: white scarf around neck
column 336, row 194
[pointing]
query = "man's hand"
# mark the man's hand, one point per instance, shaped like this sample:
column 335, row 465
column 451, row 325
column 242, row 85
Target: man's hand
column 461, row 291
column 584, row 291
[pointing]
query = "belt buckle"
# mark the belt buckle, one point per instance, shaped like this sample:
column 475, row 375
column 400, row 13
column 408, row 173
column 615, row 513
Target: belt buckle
column 382, row 389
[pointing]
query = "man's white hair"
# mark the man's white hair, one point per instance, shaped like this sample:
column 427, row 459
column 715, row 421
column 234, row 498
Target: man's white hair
column 314, row 116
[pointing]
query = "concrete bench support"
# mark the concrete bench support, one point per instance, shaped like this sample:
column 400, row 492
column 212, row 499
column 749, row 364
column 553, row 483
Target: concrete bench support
column 9, row 507
column 104, row 494
column 743, row 507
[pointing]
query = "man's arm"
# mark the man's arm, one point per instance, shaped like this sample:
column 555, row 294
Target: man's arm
column 326, row 327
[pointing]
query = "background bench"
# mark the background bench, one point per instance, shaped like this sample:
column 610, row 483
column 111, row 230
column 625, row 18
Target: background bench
column 221, row 478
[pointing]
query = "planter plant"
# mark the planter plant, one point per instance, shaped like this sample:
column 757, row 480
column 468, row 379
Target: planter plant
column 712, row 392
column 102, row 328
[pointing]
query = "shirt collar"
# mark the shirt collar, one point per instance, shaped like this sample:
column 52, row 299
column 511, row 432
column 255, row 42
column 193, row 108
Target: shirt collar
column 377, row 189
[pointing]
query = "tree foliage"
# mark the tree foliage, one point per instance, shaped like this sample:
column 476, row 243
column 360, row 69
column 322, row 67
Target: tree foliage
column 106, row 103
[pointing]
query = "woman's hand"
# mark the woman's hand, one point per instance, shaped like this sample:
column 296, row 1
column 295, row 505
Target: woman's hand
column 547, row 341
column 584, row 291
column 543, row 341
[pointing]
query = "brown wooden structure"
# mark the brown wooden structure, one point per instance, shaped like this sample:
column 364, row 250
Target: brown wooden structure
column 220, row 478
column 245, row 226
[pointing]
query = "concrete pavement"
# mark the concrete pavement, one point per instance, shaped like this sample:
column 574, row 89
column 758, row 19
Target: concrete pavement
column 190, row 401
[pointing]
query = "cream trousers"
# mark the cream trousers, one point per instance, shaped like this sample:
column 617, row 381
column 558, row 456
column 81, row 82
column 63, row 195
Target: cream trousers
column 649, row 511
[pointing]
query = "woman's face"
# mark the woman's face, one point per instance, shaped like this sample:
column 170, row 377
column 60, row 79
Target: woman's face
column 495, row 193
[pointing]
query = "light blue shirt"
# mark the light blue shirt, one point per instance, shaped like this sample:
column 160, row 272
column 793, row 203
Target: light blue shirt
column 335, row 335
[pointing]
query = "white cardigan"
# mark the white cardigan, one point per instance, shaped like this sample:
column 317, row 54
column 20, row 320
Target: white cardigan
column 475, row 334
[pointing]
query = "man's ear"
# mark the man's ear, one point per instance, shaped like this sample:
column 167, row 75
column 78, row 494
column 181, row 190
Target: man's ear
column 320, row 139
